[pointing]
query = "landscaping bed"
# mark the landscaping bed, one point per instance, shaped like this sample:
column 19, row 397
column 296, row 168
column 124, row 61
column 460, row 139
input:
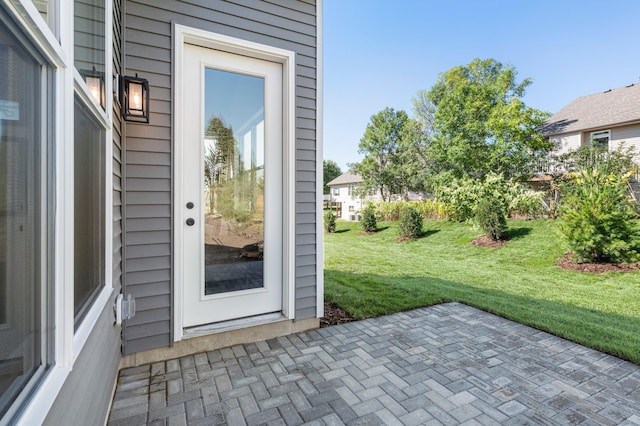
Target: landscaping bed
column 371, row 275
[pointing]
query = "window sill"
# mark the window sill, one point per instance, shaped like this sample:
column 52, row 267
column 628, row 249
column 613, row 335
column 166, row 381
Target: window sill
column 88, row 323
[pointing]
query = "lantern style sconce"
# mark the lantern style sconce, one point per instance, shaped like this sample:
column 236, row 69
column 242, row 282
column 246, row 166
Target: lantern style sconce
column 134, row 98
column 95, row 84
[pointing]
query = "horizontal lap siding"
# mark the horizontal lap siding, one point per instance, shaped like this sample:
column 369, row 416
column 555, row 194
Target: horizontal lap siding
column 148, row 167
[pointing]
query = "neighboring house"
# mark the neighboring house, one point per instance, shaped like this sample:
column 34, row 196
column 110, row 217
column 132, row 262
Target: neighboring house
column 343, row 191
column 111, row 187
column 608, row 119
column 343, row 194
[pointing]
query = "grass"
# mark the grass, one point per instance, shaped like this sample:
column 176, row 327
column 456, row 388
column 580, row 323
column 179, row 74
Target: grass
column 371, row 275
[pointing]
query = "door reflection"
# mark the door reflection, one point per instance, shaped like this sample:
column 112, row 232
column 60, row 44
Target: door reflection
column 233, row 182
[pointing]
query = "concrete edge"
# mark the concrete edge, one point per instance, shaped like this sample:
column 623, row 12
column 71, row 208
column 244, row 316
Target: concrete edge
column 219, row 340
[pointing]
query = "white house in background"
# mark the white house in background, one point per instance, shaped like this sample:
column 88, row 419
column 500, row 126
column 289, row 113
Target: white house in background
column 610, row 119
column 343, row 191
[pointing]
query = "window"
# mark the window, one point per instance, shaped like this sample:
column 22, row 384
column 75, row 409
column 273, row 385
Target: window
column 350, row 190
column 600, row 139
column 336, row 191
column 89, row 191
column 351, row 209
column 89, row 155
column 24, row 216
column 46, row 8
column 89, row 45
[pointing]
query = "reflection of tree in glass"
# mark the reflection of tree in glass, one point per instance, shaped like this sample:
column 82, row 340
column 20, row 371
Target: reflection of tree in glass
column 219, row 157
column 231, row 191
column 218, row 164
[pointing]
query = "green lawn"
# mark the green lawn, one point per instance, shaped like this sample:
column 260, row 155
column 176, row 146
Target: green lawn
column 371, row 275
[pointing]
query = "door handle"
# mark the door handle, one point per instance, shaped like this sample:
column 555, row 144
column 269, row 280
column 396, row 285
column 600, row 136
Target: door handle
column 190, row 221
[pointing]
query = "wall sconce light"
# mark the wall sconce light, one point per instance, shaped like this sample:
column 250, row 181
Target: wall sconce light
column 134, row 98
column 95, row 83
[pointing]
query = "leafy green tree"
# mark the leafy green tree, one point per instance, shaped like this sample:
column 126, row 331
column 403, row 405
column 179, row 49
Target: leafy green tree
column 330, row 171
column 476, row 122
column 382, row 145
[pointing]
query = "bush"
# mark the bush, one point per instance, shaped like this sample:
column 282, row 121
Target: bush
column 329, row 222
column 368, row 223
column 597, row 218
column 529, row 204
column 390, row 211
column 410, row 224
column 491, row 217
column 432, row 209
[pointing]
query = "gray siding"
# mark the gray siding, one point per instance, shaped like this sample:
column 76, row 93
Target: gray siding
column 86, row 394
column 288, row 24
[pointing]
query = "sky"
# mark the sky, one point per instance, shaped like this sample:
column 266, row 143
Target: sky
column 380, row 53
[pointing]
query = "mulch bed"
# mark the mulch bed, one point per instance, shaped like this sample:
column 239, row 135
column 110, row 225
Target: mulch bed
column 333, row 315
column 485, row 241
column 403, row 239
column 566, row 262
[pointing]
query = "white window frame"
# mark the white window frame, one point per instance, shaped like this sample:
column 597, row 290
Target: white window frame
column 181, row 35
column 319, row 157
column 600, row 134
column 67, row 82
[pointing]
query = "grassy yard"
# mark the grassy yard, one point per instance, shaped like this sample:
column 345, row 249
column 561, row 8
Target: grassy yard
column 371, row 275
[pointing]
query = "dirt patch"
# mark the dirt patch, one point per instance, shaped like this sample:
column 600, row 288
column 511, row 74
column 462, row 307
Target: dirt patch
column 567, row 262
column 485, row 241
column 403, row 239
column 333, row 315
column 367, row 233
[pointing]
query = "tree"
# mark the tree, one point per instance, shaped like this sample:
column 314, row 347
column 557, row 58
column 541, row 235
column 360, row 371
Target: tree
column 476, row 122
column 330, row 171
column 383, row 142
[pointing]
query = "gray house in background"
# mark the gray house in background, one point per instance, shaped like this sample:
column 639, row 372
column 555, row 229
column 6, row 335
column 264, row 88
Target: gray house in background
column 608, row 119
column 160, row 189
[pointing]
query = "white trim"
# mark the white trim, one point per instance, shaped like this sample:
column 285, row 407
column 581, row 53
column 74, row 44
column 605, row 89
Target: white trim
column 319, row 167
column 88, row 323
column 90, row 320
column 27, row 16
column 68, row 344
column 46, row 391
column 181, row 35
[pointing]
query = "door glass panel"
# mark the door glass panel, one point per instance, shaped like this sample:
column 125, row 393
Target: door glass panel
column 233, row 182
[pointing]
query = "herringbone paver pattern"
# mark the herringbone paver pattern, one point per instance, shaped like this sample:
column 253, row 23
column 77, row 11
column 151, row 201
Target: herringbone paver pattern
column 446, row 364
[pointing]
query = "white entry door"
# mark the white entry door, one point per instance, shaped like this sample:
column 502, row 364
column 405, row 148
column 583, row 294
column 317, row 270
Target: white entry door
column 231, row 186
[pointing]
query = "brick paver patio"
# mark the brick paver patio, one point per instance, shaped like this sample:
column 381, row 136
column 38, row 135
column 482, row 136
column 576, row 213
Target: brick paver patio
column 445, row 364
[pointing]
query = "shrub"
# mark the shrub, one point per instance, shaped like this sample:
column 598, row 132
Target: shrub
column 491, row 217
column 368, row 223
column 410, row 224
column 529, row 204
column 460, row 197
column 597, row 218
column 390, row 211
column 432, row 209
column 329, row 221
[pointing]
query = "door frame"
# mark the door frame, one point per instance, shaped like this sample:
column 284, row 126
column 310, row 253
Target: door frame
column 181, row 35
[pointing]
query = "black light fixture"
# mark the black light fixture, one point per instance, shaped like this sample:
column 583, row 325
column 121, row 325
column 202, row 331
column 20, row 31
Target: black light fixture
column 95, row 84
column 134, row 98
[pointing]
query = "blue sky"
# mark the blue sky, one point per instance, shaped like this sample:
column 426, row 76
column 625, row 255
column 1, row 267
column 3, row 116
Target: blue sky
column 379, row 53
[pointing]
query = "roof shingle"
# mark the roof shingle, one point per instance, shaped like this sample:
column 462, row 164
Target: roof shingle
column 600, row 110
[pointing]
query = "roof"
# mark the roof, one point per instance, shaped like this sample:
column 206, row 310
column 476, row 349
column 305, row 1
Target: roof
column 345, row 178
column 600, row 110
